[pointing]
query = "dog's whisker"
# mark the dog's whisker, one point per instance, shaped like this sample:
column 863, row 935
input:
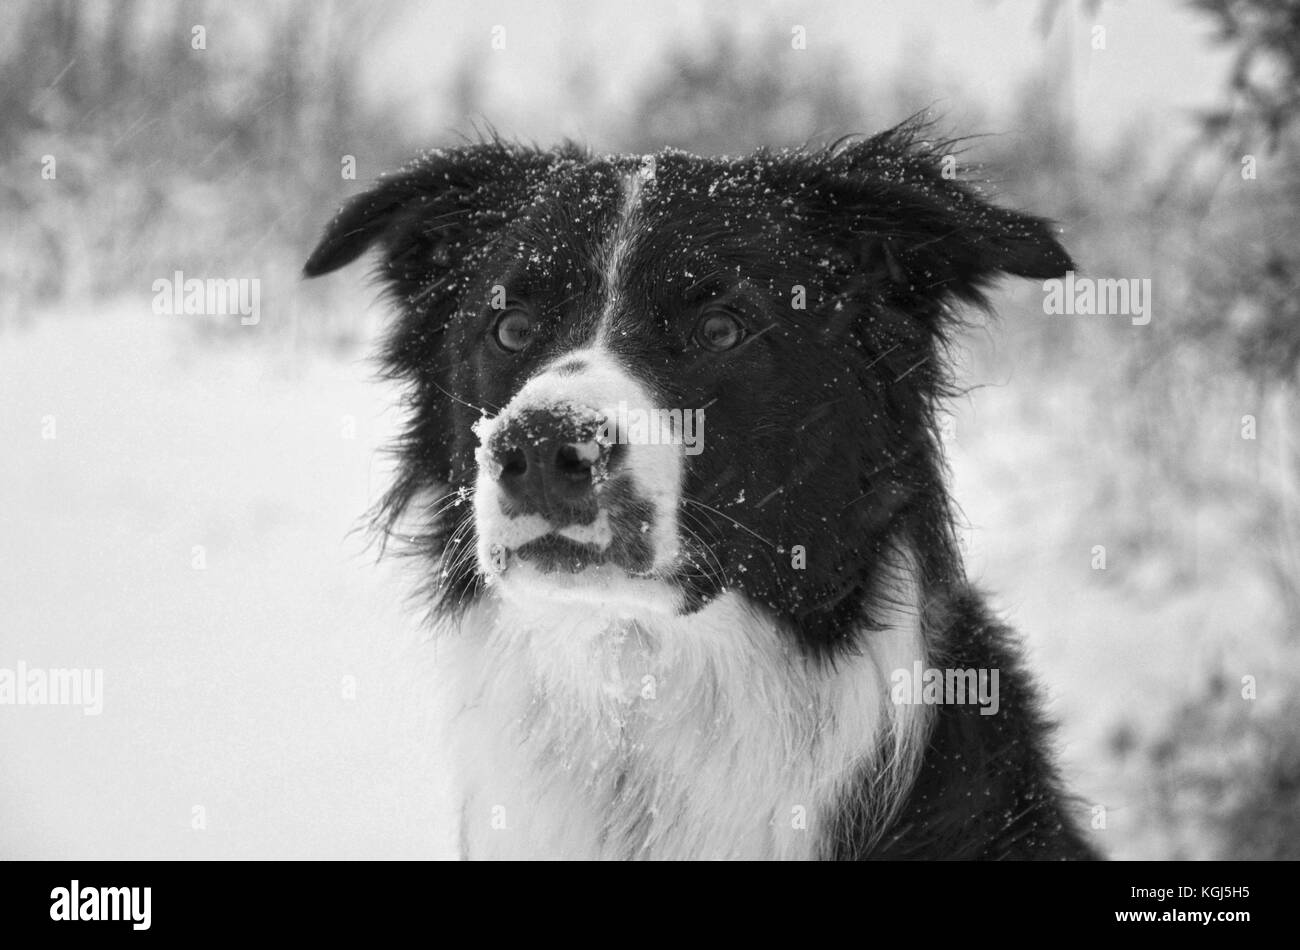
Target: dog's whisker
column 721, row 514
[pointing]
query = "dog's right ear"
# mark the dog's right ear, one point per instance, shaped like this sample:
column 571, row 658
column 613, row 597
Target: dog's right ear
column 361, row 222
column 421, row 214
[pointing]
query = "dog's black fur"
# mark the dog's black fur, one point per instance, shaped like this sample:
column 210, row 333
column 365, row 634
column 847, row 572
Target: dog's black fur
column 822, row 422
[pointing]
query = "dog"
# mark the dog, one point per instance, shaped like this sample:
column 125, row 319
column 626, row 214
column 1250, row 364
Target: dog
column 673, row 467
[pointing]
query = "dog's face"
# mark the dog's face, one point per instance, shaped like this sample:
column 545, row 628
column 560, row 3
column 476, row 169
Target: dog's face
column 641, row 382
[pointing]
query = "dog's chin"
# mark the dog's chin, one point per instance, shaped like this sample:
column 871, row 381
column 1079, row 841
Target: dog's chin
column 582, row 579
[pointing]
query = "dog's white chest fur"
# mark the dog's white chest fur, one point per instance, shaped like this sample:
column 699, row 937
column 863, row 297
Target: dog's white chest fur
column 577, row 732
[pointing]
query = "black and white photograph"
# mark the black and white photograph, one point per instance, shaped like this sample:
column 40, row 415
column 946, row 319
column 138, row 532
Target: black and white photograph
column 697, row 431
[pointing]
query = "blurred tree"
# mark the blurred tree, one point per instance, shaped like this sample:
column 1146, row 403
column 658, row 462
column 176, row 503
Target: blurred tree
column 1252, row 298
column 170, row 154
column 1264, row 84
column 1225, row 769
column 727, row 96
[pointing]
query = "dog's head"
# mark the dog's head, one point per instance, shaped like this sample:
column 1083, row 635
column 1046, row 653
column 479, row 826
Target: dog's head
column 642, row 381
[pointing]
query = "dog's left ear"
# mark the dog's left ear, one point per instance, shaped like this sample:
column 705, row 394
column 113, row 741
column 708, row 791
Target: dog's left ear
column 917, row 232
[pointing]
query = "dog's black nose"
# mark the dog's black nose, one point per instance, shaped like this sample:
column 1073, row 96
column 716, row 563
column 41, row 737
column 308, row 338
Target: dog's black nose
column 548, row 463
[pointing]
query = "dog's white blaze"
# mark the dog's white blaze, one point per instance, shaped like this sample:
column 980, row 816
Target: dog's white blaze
column 618, row 246
column 614, row 732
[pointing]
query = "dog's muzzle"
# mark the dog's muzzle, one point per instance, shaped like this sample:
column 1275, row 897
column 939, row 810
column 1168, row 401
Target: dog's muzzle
column 561, row 488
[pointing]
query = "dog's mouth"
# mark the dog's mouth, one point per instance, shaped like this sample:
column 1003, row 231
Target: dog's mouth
column 611, row 555
column 616, row 538
column 553, row 568
column 554, row 553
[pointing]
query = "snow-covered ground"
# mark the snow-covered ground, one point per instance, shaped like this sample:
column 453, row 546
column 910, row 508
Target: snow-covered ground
column 187, row 530
column 225, row 688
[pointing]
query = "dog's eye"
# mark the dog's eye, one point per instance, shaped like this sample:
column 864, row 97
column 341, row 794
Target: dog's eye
column 719, row 330
column 513, row 330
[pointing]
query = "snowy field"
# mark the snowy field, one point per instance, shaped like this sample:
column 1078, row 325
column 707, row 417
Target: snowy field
column 224, row 688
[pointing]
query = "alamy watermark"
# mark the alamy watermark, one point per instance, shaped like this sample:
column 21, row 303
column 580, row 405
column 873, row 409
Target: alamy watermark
column 634, row 426
column 79, row 902
column 35, row 686
column 1088, row 296
column 933, row 687
column 212, row 296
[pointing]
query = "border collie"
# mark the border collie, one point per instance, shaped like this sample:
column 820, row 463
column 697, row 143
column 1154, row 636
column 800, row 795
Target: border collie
column 673, row 468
